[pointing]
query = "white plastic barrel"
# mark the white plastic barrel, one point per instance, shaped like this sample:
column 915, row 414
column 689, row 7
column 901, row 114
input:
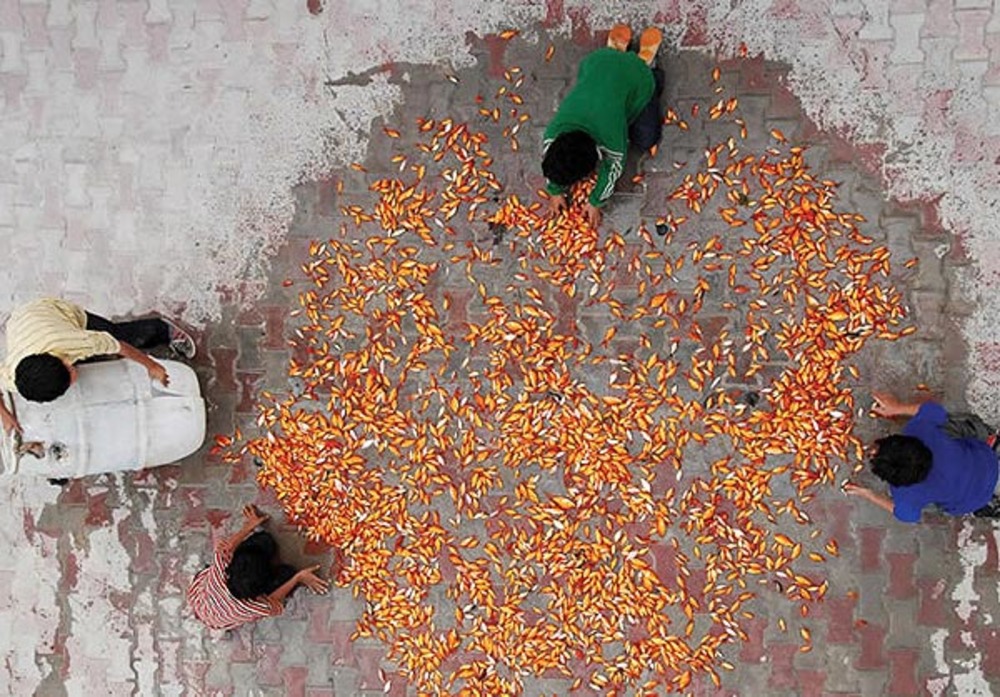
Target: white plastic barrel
column 113, row 418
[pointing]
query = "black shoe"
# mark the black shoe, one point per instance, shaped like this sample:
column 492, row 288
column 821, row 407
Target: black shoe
column 59, row 482
column 990, row 510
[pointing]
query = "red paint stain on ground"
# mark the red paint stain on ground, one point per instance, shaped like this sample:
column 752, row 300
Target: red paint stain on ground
column 582, row 35
column 315, row 7
column 216, row 517
column 496, row 46
column 871, row 156
column 71, row 574
column 194, row 505
column 555, row 12
column 930, row 215
column 98, row 513
column 29, row 526
column 697, row 31
column 867, row 156
column 784, row 9
column 671, row 14
column 73, row 493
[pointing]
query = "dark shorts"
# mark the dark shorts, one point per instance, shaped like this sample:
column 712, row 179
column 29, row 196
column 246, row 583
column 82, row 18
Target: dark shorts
column 647, row 129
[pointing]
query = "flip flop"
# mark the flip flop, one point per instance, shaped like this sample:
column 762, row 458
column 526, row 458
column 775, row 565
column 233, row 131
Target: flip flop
column 649, row 44
column 619, row 37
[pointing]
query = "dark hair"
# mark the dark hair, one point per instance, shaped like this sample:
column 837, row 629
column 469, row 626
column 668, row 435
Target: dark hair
column 41, row 377
column 570, row 158
column 250, row 574
column 901, row 460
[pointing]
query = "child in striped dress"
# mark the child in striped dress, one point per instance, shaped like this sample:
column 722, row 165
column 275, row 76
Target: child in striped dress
column 246, row 582
column 616, row 100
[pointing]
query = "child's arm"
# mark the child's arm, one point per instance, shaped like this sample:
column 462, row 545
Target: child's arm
column 889, row 407
column 852, row 489
column 307, row 577
column 253, row 519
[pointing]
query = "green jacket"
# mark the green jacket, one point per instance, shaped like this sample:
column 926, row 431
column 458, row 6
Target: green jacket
column 611, row 89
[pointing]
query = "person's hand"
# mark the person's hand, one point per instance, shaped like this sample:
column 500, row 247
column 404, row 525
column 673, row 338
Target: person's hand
column 308, row 578
column 557, row 204
column 852, row 489
column 885, row 405
column 254, row 516
column 159, row 373
column 593, row 214
column 10, row 424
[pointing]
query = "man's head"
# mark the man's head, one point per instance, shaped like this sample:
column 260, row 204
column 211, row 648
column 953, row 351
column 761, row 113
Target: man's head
column 43, row 377
column 901, row 460
column 570, row 157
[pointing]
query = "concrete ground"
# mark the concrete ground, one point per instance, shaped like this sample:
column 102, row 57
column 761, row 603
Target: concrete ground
column 94, row 574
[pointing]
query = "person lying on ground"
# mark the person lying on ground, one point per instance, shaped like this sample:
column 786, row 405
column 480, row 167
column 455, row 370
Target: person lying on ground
column 246, row 580
column 616, row 100
column 930, row 463
column 48, row 337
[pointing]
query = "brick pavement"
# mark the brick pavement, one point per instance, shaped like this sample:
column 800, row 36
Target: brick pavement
column 899, row 604
column 902, row 618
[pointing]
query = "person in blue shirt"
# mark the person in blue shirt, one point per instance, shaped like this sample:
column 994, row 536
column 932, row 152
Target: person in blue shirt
column 927, row 465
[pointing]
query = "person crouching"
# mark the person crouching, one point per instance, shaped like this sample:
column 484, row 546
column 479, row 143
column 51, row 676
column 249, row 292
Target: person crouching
column 246, row 580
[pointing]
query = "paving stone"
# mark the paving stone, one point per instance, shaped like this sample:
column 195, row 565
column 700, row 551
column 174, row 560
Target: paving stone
column 906, row 28
column 840, row 677
column 899, row 234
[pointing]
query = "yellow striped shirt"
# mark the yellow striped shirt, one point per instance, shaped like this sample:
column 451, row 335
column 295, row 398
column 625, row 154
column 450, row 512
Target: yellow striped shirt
column 54, row 326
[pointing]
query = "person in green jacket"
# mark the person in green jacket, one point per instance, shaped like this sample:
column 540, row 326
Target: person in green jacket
column 616, row 99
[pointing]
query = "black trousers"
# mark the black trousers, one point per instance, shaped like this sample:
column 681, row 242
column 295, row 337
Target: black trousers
column 647, row 129
column 141, row 333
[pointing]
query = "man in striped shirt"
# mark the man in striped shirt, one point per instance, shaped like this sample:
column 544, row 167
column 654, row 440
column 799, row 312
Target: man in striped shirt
column 213, row 592
column 47, row 338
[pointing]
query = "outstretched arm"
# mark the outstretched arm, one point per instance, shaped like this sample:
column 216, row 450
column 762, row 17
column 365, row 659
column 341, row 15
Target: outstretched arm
column 852, row 489
column 889, row 407
column 253, row 518
column 155, row 370
column 306, row 577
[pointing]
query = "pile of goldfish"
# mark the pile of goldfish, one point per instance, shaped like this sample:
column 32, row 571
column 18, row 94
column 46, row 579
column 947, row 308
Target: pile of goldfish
column 506, row 414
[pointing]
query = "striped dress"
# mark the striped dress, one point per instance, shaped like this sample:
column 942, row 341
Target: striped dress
column 215, row 606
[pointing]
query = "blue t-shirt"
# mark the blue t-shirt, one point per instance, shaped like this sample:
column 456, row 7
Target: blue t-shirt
column 963, row 470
